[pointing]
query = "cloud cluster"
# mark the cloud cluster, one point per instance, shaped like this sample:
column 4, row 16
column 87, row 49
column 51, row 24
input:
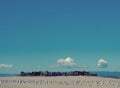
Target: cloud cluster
column 67, row 63
column 102, row 63
column 6, row 66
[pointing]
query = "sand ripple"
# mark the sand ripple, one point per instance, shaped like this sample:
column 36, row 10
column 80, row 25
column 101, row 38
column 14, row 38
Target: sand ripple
column 59, row 82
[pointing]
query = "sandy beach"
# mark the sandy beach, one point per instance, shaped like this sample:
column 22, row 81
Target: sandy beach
column 59, row 82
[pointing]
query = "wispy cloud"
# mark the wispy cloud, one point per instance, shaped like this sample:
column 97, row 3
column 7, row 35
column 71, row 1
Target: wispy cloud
column 102, row 63
column 6, row 66
column 67, row 63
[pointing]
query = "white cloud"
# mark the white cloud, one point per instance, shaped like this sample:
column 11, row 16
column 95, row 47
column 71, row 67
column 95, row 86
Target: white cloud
column 6, row 66
column 68, row 63
column 102, row 63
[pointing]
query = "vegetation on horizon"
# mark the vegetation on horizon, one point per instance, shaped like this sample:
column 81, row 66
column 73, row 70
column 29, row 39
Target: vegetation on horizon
column 47, row 73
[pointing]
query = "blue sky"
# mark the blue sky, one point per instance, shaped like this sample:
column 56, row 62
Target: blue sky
column 43, row 34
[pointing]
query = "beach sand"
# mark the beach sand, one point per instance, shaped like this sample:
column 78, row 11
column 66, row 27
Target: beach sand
column 59, row 82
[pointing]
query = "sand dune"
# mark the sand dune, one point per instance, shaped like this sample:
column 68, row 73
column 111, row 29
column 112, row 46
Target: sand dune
column 59, row 82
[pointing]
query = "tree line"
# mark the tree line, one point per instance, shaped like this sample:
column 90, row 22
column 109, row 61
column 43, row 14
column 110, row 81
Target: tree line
column 47, row 73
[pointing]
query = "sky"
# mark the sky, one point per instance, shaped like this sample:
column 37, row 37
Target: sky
column 59, row 35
